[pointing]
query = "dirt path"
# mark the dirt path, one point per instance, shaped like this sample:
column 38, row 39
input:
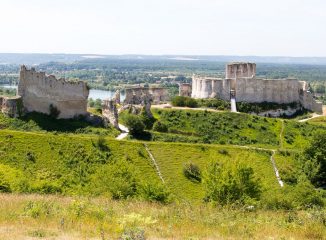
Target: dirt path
column 276, row 170
column 154, row 162
column 124, row 132
column 168, row 106
column 314, row 115
column 273, row 151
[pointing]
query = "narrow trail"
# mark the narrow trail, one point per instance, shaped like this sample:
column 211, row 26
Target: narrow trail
column 315, row 115
column 154, row 162
column 276, row 170
column 124, row 132
column 273, row 151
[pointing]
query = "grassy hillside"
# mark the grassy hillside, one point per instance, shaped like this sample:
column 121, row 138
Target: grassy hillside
column 233, row 128
column 38, row 122
column 68, row 164
column 80, row 173
column 44, row 162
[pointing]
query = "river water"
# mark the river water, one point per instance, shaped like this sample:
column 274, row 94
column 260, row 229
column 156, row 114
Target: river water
column 93, row 93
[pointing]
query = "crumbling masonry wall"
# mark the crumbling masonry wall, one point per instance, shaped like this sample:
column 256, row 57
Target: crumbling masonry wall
column 185, row 89
column 242, row 82
column 110, row 112
column 11, row 106
column 137, row 95
column 39, row 91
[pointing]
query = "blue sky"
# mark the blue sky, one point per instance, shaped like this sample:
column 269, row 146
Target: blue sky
column 187, row 27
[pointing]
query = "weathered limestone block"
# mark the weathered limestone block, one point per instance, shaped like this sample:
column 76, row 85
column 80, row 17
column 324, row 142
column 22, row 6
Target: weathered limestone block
column 110, row 112
column 116, row 96
column 11, row 106
column 136, row 95
column 39, row 91
column 185, row 89
column 240, row 70
column 241, row 80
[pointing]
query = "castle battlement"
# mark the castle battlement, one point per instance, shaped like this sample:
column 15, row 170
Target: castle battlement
column 39, row 91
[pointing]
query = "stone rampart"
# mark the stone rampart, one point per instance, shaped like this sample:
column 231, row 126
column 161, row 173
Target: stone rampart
column 138, row 95
column 241, row 81
column 39, row 91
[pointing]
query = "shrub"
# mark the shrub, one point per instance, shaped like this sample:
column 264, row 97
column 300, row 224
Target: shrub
column 160, row 127
column 134, row 124
column 223, row 151
column 181, row 101
column 54, row 111
column 118, row 179
column 101, row 143
column 314, row 161
column 155, row 192
column 147, row 120
column 192, row 172
column 229, row 184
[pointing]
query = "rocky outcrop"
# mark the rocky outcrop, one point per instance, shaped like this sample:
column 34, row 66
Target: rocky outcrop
column 38, row 91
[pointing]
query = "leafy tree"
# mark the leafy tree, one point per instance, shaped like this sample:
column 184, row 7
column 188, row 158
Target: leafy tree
column 54, row 112
column 160, row 127
column 117, row 178
column 315, row 160
column 134, row 124
column 155, row 192
column 229, row 184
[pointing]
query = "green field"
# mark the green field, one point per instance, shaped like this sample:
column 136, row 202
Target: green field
column 82, row 170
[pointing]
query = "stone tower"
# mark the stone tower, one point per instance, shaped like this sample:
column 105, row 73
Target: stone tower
column 240, row 70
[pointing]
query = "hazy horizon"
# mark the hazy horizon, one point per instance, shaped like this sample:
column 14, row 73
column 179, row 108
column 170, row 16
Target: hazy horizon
column 171, row 27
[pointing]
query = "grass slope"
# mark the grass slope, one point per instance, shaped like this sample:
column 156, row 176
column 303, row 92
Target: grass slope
column 233, row 128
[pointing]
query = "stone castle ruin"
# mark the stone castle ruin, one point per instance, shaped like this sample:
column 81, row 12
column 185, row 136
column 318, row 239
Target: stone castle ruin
column 11, row 106
column 138, row 95
column 242, row 84
column 185, row 89
column 39, row 91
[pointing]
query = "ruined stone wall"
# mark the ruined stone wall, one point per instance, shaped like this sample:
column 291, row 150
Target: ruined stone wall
column 185, row 89
column 267, row 90
column 39, row 91
column 241, row 80
column 137, row 95
column 240, row 70
column 110, row 112
column 11, row 106
column 203, row 87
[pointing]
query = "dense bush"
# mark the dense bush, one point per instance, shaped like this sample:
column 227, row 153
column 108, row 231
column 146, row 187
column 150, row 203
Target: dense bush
column 134, row 124
column 180, row 101
column 160, row 127
column 154, row 192
column 300, row 196
column 54, row 112
column 147, row 120
column 263, row 106
column 215, row 103
column 231, row 184
column 192, row 172
column 314, row 160
column 118, row 179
